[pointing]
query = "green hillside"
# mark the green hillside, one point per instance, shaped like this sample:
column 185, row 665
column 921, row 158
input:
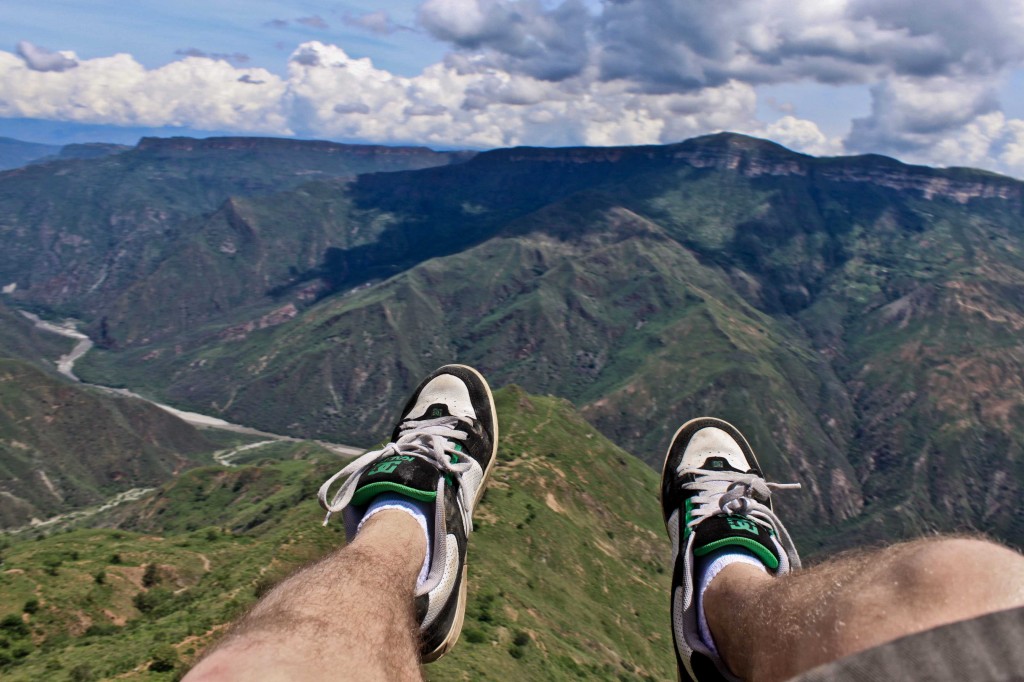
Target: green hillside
column 857, row 316
column 80, row 231
column 582, row 594
column 63, row 447
column 808, row 300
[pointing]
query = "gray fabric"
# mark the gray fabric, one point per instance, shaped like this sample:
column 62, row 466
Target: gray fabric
column 984, row 649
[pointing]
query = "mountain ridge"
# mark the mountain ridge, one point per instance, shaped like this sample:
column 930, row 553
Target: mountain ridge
column 568, row 504
column 804, row 298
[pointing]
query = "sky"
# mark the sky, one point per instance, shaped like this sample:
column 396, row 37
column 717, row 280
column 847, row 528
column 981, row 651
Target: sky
column 939, row 83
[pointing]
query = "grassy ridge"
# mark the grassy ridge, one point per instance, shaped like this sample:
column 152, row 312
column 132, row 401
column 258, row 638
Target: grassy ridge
column 566, row 565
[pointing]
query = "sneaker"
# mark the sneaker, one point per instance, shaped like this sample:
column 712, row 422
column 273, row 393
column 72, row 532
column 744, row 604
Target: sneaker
column 713, row 495
column 441, row 453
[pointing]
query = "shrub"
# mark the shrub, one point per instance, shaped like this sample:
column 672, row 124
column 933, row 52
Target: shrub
column 100, row 578
column 151, row 601
column 151, row 576
column 31, row 606
column 165, row 658
column 82, row 673
column 475, row 636
column 14, row 626
column 101, row 629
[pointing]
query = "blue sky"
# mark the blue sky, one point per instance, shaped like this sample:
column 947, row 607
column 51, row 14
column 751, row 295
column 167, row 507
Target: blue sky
column 941, row 83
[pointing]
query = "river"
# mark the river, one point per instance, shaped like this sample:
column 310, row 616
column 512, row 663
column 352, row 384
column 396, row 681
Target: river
column 66, row 366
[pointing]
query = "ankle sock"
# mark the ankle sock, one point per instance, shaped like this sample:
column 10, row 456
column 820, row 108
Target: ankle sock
column 707, row 568
column 422, row 512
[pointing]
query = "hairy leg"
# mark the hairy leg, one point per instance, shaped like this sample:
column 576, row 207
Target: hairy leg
column 348, row 616
column 774, row 628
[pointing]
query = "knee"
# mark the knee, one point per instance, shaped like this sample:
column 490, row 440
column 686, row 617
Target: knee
column 985, row 573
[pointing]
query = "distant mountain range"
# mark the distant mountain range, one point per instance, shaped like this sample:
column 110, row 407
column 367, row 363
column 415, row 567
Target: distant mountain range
column 859, row 318
column 16, row 153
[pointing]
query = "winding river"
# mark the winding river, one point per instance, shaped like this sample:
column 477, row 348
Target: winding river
column 66, row 366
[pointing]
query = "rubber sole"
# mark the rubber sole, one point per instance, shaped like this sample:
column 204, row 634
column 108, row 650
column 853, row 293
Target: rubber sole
column 460, row 607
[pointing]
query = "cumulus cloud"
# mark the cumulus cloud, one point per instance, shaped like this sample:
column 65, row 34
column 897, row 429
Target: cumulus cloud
column 379, row 22
column 802, row 135
column 41, row 59
column 555, row 72
column 908, row 113
column 458, row 104
column 941, row 121
column 117, row 90
column 519, row 36
column 672, row 44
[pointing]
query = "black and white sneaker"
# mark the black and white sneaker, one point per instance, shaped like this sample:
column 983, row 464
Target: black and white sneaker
column 713, row 496
column 441, row 453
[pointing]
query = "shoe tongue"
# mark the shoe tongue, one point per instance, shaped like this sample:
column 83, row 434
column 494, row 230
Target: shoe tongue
column 406, row 475
column 724, row 531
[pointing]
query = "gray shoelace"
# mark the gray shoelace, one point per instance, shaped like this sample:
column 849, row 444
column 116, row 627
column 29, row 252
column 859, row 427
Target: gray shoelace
column 731, row 492
column 428, row 439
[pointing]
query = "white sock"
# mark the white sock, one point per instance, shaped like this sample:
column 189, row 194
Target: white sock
column 421, row 511
column 709, row 567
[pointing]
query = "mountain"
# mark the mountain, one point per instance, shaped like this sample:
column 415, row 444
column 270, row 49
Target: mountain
column 90, row 150
column 15, row 153
column 64, row 446
column 858, row 318
column 583, row 593
column 87, row 229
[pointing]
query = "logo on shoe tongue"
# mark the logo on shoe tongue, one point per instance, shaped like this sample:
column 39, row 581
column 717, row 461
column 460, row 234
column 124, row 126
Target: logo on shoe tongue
column 388, row 464
column 436, row 410
column 741, row 524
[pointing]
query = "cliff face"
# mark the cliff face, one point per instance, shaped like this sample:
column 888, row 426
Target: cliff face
column 754, row 158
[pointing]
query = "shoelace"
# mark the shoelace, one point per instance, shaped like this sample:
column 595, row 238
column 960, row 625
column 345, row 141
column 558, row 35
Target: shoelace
column 428, row 439
column 731, row 492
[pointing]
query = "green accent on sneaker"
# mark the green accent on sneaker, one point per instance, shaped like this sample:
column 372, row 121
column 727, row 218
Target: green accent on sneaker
column 455, row 458
column 686, row 519
column 759, row 550
column 368, row 492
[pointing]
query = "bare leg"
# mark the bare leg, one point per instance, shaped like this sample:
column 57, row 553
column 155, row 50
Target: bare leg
column 774, row 628
column 348, row 616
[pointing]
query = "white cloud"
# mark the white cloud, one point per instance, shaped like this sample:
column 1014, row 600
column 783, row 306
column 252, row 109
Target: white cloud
column 195, row 92
column 907, row 113
column 558, row 72
column 803, row 136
